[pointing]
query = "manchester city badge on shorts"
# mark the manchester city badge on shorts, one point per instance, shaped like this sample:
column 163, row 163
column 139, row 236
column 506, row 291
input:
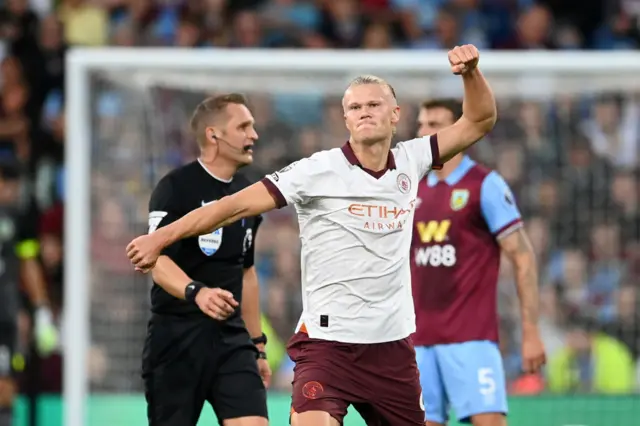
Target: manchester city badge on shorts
column 459, row 199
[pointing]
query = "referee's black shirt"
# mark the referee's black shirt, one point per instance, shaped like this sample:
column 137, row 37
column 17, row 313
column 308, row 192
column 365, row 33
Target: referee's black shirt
column 217, row 259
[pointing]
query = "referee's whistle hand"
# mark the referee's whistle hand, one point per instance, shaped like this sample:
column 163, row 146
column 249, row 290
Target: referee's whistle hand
column 217, row 303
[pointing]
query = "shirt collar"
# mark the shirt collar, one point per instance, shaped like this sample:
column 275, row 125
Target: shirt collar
column 455, row 176
column 347, row 150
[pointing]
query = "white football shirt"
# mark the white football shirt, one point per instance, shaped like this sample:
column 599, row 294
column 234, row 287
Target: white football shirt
column 355, row 230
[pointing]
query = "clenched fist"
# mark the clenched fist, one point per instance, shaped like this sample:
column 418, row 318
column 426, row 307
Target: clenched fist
column 463, row 58
column 144, row 252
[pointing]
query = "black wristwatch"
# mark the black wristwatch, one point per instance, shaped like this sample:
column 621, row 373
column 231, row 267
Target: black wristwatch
column 262, row 355
column 262, row 340
column 191, row 291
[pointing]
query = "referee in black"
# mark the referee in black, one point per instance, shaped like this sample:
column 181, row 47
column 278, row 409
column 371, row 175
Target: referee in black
column 204, row 340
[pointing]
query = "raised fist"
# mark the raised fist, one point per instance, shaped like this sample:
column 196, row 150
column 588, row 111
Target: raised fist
column 463, row 58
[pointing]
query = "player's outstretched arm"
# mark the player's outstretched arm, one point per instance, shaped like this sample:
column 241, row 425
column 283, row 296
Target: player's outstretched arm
column 251, row 201
column 517, row 247
column 479, row 112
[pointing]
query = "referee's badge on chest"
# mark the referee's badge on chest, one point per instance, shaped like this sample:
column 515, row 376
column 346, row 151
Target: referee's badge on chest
column 210, row 243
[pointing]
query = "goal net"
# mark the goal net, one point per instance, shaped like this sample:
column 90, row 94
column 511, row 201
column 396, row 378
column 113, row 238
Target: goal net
column 567, row 142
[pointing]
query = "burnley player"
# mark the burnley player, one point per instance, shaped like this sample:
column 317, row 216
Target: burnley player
column 355, row 208
column 465, row 217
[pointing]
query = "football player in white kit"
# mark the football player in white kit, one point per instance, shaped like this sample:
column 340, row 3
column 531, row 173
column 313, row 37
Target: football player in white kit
column 355, row 208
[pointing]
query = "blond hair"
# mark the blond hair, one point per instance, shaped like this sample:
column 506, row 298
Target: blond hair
column 372, row 79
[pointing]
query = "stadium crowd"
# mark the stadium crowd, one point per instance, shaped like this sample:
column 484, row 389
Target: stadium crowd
column 572, row 161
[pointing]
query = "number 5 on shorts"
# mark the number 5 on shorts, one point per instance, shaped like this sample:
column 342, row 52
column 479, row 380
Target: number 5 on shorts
column 486, row 381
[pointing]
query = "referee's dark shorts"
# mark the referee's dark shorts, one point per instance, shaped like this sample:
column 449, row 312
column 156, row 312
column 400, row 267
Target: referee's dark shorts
column 188, row 360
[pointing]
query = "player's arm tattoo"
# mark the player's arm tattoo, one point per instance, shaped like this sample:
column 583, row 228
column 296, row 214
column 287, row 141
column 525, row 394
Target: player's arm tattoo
column 519, row 250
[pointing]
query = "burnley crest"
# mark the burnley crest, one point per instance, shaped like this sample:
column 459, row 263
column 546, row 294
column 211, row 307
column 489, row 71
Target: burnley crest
column 459, row 199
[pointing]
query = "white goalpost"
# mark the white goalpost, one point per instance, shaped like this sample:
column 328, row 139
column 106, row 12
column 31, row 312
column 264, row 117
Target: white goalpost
column 118, row 114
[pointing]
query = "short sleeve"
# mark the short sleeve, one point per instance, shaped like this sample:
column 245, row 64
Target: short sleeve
column 292, row 184
column 164, row 209
column 498, row 206
column 249, row 256
column 27, row 243
column 424, row 153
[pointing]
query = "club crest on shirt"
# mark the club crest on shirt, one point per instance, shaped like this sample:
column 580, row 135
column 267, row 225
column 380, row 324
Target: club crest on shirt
column 404, row 183
column 459, row 199
column 210, row 243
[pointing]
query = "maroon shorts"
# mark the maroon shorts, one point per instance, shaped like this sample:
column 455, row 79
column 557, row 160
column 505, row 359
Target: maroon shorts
column 380, row 380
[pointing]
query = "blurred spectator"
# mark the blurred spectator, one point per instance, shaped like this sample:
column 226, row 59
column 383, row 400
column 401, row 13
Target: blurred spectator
column 85, row 24
column 613, row 130
column 626, row 325
column 44, row 62
column 533, row 30
column 449, row 30
column 51, row 242
column 377, row 35
column 18, row 24
column 607, row 269
column 591, row 362
column 15, row 141
column 341, row 23
column 573, row 283
column 247, row 31
column 49, row 162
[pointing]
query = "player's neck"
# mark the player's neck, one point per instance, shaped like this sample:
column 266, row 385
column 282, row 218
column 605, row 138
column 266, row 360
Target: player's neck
column 217, row 167
column 374, row 156
column 449, row 167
